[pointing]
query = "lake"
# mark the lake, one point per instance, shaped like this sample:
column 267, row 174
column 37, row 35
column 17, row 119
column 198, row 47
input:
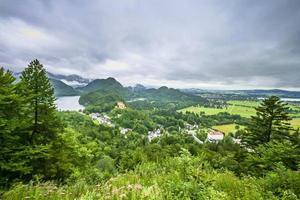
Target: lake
column 290, row 99
column 284, row 99
column 69, row 103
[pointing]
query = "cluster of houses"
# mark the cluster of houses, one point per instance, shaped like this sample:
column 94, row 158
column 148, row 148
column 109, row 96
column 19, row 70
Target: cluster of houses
column 154, row 134
column 102, row 119
column 212, row 135
column 124, row 130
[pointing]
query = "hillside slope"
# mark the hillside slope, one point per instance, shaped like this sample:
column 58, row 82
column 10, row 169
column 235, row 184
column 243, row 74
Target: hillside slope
column 98, row 84
column 62, row 89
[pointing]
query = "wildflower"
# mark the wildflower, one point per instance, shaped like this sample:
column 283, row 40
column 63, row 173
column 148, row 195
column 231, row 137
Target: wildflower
column 114, row 191
column 138, row 186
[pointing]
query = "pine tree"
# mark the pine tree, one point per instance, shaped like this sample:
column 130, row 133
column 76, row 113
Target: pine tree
column 12, row 152
column 7, row 98
column 45, row 127
column 41, row 103
column 270, row 123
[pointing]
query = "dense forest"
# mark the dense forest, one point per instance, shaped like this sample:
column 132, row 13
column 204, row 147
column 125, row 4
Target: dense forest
column 49, row 154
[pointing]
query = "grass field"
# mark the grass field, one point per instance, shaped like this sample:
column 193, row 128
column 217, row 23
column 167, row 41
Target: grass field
column 227, row 128
column 243, row 108
column 295, row 122
column 234, row 108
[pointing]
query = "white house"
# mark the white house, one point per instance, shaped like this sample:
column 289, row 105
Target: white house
column 191, row 127
column 124, row 130
column 102, row 119
column 215, row 136
column 153, row 134
column 94, row 116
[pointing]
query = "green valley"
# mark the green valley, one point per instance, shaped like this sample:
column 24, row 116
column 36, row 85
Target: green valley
column 142, row 143
column 243, row 108
column 149, row 100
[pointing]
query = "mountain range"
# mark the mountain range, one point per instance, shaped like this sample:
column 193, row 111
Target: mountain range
column 69, row 85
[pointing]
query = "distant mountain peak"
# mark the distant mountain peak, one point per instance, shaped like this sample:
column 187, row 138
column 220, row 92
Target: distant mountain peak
column 97, row 84
column 111, row 79
column 138, row 88
column 139, row 85
column 163, row 88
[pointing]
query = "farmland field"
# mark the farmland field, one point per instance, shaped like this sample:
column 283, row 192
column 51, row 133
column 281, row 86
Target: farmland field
column 227, row 128
column 243, row 108
column 295, row 122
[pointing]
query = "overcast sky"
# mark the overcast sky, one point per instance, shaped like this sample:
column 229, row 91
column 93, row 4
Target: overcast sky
column 215, row 44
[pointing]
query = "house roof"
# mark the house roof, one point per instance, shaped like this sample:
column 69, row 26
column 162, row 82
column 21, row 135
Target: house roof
column 215, row 133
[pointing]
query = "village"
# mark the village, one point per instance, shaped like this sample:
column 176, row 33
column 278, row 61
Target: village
column 213, row 136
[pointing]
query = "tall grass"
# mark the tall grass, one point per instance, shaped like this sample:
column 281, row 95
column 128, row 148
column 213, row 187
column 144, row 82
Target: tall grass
column 182, row 177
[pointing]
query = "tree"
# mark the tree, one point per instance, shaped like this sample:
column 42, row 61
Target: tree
column 8, row 123
column 267, row 157
column 41, row 103
column 270, row 123
column 13, row 152
column 44, row 126
column 7, row 103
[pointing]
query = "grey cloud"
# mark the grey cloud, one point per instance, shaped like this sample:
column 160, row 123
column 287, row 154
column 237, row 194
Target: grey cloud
column 235, row 42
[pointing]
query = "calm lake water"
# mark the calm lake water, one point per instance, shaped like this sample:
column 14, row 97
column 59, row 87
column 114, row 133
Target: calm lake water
column 69, row 103
column 290, row 99
column 283, row 99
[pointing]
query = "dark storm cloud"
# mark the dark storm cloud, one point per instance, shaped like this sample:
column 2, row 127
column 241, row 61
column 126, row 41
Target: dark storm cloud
column 208, row 43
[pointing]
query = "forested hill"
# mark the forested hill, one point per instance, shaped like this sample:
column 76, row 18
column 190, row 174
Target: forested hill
column 107, row 84
column 98, row 91
column 168, row 94
column 62, row 89
column 110, row 88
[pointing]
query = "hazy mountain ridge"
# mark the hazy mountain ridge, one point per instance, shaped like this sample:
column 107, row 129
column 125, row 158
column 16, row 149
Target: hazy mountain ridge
column 85, row 85
column 62, row 89
column 72, row 80
column 253, row 93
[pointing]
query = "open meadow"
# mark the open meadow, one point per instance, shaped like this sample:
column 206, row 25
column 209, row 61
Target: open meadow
column 243, row 108
column 228, row 128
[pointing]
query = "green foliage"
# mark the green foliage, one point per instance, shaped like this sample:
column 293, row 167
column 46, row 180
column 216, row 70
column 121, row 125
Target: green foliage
column 47, row 154
column 30, row 127
column 41, row 106
column 13, row 162
column 100, row 100
column 183, row 177
column 270, row 123
column 266, row 157
column 167, row 98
